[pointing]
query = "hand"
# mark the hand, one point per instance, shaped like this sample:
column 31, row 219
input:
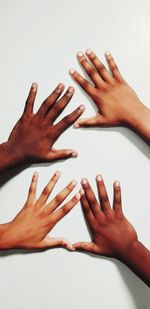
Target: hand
column 112, row 234
column 33, row 136
column 30, row 228
column 116, row 101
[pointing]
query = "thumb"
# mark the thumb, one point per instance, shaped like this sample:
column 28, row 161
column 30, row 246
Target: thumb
column 55, row 154
column 84, row 246
column 89, row 122
column 54, row 242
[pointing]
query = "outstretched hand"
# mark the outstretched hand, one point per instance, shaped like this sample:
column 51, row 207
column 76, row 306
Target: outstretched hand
column 116, row 102
column 33, row 136
column 112, row 234
column 30, row 228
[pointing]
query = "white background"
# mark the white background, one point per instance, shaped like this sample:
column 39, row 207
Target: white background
column 39, row 41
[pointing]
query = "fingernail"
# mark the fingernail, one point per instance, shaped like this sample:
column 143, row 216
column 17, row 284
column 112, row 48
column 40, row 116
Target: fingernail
column 58, row 173
column 76, row 125
column 34, row 86
column 71, row 71
column 78, row 196
column 73, row 183
column 84, row 181
column 108, row 54
column 80, row 54
column 35, row 174
column 82, row 107
column 99, row 178
column 70, row 91
column 82, row 192
column 117, row 183
column 88, row 51
column 74, row 154
column 60, row 88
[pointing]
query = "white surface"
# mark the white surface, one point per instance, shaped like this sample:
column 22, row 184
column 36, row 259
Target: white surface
column 39, row 41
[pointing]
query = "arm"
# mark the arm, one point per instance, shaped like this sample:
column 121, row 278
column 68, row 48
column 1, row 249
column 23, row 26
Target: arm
column 33, row 136
column 112, row 234
column 31, row 227
column 117, row 103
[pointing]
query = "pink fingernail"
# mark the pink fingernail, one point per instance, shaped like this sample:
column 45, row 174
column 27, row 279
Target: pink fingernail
column 34, row 86
column 71, row 71
column 35, row 174
column 117, row 183
column 84, row 181
column 88, row 51
column 60, row 88
column 80, row 54
column 99, row 178
column 82, row 107
column 78, row 196
column 74, row 154
column 108, row 54
column 58, row 173
column 76, row 125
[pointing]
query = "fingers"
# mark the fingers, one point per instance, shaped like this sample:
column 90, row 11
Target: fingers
column 87, row 210
column 48, row 189
column 88, row 88
column 92, row 201
column 30, row 99
column 117, row 204
column 101, row 69
column 61, row 154
column 104, row 201
column 59, row 198
column 84, row 246
column 53, row 242
column 50, row 100
column 59, row 106
column 32, row 189
column 89, row 122
column 67, row 121
column 113, row 67
column 63, row 211
column 90, row 69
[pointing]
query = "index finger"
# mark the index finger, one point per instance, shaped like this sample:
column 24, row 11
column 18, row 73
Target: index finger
column 67, row 121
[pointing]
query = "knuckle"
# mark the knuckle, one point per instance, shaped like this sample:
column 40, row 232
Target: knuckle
column 93, row 56
column 46, row 191
column 59, row 198
column 64, row 209
column 101, row 67
column 104, row 198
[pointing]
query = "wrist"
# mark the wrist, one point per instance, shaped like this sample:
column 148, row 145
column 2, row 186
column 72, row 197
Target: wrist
column 5, row 240
column 11, row 156
column 137, row 258
column 139, row 121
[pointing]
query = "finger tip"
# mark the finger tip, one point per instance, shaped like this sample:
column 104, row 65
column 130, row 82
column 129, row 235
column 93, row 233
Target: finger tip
column 76, row 125
column 74, row 154
column 34, row 86
column 71, row 71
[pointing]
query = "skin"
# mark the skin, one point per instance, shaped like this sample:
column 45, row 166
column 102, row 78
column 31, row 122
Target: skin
column 33, row 136
column 31, row 227
column 117, row 103
column 112, row 234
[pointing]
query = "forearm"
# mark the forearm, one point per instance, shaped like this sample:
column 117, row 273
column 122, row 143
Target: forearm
column 137, row 258
column 139, row 122
column 10, row 157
